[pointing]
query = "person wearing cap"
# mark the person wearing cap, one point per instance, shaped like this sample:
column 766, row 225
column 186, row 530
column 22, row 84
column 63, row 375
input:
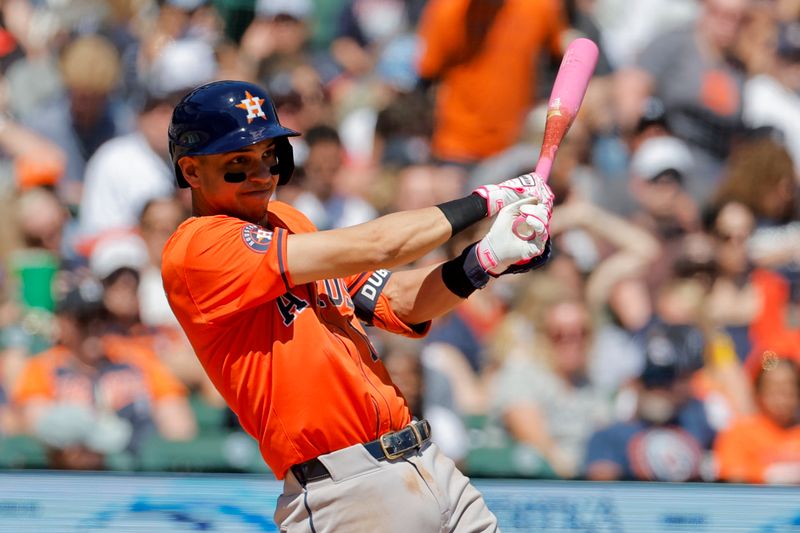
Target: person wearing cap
column 274, row 310
column 660, row 169
column 117, row 260
column 667, row 437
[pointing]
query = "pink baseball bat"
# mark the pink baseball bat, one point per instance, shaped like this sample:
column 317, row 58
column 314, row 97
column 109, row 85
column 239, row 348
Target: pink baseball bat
column 569, row 88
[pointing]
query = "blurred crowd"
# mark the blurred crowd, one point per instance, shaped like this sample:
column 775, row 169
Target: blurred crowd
column 661, row 342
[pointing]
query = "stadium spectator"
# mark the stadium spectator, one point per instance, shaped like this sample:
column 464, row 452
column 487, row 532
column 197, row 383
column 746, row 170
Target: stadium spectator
column 114, row 194
column 690, row 71
column 363, row 28
column 89, row 113
column 760, row 175
column 277, row 38
column 666, row 437
column 610, row 255
column 543, row 394
column 28, row 159
column 773, row 328
column 465, row 44
column 159, row 220
column 34, row 266
column 323, row 200
column 31, row 74
column 404, row 122
column 275, row 48
column 765, row 447
column 84, row 399
column 771, row 97
column 660, row 168
column 732, row 302
column 118, row 261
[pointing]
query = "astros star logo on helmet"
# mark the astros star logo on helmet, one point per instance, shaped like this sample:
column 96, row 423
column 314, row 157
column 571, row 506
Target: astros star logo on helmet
column 252, row 104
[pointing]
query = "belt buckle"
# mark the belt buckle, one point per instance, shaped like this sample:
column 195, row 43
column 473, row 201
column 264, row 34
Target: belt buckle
column 399, row 453
column 386, row 452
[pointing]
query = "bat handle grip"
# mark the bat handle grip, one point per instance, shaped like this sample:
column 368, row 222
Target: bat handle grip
column 543, row 167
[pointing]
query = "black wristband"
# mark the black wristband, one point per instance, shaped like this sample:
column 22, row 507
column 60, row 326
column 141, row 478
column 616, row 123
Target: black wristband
column 464, row 274
column 464, row 212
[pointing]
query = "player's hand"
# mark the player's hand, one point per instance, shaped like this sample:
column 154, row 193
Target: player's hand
column 501, row 248
column 529, row 264
column 527, row 186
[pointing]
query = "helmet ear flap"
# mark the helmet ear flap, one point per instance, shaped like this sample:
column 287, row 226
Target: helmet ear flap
column 175, row 153
column 284, row 168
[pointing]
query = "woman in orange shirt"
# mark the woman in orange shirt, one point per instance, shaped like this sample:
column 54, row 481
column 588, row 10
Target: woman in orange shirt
column 765, row 447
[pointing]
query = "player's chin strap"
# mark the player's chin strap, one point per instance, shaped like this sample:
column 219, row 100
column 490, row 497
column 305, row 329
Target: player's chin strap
column 284, row 168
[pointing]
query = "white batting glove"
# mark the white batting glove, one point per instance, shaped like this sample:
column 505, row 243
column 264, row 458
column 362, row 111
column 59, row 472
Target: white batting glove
column 530, row 186
column 501, row 247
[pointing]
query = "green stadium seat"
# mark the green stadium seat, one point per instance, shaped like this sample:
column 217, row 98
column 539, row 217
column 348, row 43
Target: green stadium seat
column 221, row 451
column 22, row 451
column 210, row 418
column 204, row 453
column 494, row 454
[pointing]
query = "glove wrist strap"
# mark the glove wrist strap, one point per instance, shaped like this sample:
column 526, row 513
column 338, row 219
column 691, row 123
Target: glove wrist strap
column 464, row 212
column 464, row 274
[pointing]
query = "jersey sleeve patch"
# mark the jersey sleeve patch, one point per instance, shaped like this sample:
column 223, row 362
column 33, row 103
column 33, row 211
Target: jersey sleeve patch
column 256, row 238
column 366, row 298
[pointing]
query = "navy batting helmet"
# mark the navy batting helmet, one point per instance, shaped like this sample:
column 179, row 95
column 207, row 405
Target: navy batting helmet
column 222, row 116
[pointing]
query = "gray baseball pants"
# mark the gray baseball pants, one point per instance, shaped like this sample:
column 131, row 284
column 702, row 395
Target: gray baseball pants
column 420, row 493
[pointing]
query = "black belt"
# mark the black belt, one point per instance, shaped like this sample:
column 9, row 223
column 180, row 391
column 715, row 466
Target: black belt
column 389, row 446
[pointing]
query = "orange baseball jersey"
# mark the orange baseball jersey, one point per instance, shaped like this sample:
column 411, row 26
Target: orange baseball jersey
column 293, row 362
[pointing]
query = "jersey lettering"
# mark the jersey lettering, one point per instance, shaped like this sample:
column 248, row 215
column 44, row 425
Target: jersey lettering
column 289, row 306
column 366, row 298
column 374, row 285
column 334, row 291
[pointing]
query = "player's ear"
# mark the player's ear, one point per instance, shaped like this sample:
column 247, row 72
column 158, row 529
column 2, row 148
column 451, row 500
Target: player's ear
column 189, row 168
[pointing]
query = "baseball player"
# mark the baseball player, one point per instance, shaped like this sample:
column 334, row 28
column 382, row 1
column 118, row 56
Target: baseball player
column 274, row 310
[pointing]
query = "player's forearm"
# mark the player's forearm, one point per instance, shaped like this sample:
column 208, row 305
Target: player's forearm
column 400, row 238
column 420, row 294
column 386, row 242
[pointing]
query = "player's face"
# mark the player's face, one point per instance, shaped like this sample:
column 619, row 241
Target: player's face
column 237, row 183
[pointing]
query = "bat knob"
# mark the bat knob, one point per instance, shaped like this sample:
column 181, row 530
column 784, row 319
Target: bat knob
column 522, row 229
